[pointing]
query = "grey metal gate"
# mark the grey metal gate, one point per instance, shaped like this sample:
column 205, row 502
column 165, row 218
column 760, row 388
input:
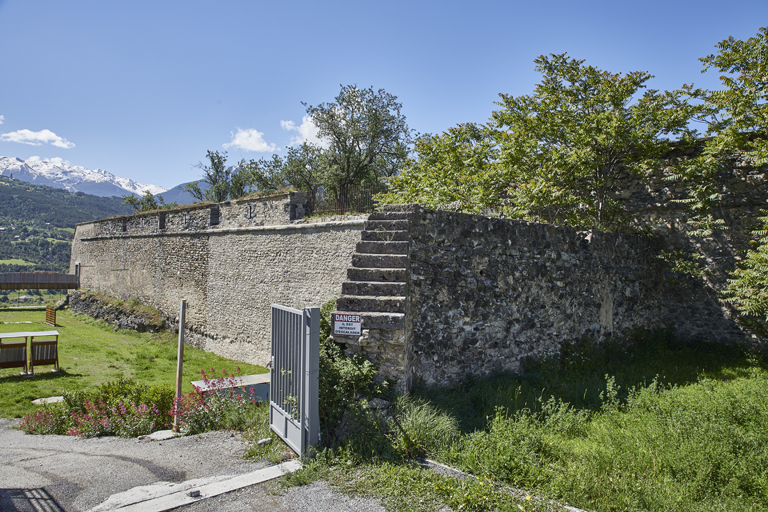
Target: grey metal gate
column 293, row 388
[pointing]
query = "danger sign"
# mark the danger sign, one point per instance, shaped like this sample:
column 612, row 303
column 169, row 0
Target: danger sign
column 346, row 324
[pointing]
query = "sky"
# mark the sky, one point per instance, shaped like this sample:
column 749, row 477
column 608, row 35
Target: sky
column 143, row 89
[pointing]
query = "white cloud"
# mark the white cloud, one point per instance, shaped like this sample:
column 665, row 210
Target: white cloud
column 36, row 138
column 55, row 160
column 250, row 140
column 305, row 132
column 2, row 118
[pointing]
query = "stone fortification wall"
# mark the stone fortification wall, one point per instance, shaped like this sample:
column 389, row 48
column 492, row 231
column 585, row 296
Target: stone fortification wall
column 486, row 292
column 260, row 252
column 453, row 294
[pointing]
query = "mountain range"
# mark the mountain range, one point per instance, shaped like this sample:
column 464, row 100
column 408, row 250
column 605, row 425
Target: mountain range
column 58, row 174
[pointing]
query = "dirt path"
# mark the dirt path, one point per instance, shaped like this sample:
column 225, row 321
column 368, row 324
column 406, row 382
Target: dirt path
column 64, row 473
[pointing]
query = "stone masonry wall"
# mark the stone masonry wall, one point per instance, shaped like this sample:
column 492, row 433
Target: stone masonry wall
column 261, row 252
column 486, row 292
column 482, row 293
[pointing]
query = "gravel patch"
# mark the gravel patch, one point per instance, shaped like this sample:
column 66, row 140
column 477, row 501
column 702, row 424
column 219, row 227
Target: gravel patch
column 66, row 473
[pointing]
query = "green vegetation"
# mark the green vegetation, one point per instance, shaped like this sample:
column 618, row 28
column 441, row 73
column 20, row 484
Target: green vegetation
column 37, row 223
column 553, row 156
column 223, row 182
column 147, row 202
column 17, row 261
column 647, row 422
column 365, row 140
column 92, row 354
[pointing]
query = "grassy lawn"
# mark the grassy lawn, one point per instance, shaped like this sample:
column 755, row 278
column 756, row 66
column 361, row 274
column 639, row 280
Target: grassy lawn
column 91, row 353
column 646, row 423
column 16, row 262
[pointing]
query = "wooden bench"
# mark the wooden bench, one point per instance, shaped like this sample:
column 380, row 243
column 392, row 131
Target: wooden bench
column 42, row 351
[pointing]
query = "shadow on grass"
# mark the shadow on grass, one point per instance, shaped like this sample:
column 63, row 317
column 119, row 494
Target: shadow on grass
column 578, row 375
column 39, row 376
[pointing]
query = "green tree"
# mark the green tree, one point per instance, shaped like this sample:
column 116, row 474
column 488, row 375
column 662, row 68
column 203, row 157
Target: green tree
column 565, row 147
column 737, row 121
column 748, row 287
column 301, row 169
column 367, row 134
column 456, row 169
column 223, row 182
column 365, row 140
column 147, row 202
column 555, row 155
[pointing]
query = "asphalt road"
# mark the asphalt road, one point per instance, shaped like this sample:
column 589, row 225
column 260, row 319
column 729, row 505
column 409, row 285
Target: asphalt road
column 64, row 473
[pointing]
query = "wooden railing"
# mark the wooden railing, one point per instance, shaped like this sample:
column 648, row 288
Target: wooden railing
column 38, row 280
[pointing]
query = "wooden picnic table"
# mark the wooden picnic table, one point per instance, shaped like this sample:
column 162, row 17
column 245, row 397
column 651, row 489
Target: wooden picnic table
column 42, row 351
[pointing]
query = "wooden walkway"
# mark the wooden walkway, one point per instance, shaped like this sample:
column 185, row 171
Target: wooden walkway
column 38, row 280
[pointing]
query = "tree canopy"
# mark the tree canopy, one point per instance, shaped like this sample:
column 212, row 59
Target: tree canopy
column 554, row 155
column 365, row 138
column 147, row 202
column 224, row 182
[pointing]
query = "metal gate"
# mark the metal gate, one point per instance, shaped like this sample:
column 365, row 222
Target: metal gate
column 293, row 388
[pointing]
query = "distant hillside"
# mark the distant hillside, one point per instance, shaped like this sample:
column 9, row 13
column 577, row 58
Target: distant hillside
column 178, row 195
column 22, row 201
column 37, row 222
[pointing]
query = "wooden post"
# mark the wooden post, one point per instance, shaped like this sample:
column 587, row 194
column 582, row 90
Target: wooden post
column 179, row 364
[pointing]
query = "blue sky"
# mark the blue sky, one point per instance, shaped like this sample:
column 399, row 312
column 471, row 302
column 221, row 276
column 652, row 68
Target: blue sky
column 143, row 88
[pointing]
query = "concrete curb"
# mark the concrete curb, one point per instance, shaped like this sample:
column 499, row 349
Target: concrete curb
column 164, row 496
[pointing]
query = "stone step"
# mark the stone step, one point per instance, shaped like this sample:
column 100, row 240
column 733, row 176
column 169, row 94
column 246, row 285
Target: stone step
column 391, row 208
column 377, row 320
column 360, row 303
column 385, row 236
column 388, row 215
column 389, row 275
column 375, row 288
column 379, row 260
column 386, row 225
column 382, row 247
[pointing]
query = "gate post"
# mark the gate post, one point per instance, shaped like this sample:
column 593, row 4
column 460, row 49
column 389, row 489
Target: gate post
column 312, row 373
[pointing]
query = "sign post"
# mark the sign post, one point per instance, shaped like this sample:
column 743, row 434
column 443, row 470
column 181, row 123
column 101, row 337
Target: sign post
column 347, row 324
column 179, row 365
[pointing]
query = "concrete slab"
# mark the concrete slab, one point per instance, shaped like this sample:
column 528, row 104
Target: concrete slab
column 167, row 496
column 161, row 435
column 49, row 400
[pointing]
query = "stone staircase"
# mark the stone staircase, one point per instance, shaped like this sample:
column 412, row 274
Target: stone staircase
column 376, row 283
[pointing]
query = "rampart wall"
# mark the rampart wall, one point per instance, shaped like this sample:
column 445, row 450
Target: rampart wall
column 260, row 252
column 442, row 295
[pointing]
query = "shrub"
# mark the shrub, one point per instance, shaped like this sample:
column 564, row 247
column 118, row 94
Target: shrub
column 221, row 408
column 123, row 408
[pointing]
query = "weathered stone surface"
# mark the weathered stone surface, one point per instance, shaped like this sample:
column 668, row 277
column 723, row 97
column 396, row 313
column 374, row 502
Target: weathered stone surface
column 442, row 294
column 119, row 318
column 229, row 274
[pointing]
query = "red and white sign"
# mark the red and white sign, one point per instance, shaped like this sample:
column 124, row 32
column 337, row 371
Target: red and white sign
column 347, row 324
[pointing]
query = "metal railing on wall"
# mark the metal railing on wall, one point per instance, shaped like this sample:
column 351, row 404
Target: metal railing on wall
column 344, row 200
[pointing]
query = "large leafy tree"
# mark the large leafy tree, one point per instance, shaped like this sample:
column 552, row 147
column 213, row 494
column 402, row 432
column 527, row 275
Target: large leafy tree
column 456, row 169
column 555, row 155
column 367, row 134
column 737, row 123
column 365, row 139
column 565, row 147
column 147, row 202
column 737, row 119
column 224, row 182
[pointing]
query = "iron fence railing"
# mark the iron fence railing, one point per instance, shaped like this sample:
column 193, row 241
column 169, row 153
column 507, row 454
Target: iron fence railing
column 344, row 200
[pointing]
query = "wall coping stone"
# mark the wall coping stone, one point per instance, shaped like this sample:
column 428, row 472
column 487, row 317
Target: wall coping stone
column 248, row 229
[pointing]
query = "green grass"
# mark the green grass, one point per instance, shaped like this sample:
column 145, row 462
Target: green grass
column 16, row 262
column 91, row 353
column 645, row 423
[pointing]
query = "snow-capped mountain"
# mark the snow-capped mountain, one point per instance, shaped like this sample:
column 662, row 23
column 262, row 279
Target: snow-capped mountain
column 57, row 173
